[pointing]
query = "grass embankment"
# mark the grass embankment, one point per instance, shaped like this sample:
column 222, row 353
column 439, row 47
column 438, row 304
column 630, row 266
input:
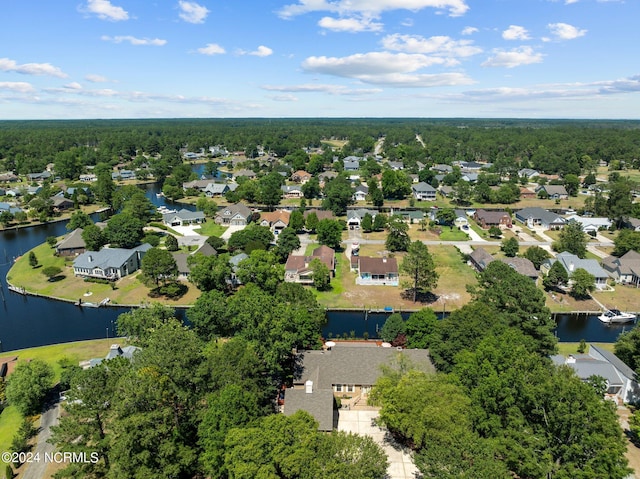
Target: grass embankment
column 10, row 418
column 128, row 290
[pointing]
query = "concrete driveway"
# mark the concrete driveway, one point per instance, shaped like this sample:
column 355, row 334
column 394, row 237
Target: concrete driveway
column 230, row 230
column 362, row 422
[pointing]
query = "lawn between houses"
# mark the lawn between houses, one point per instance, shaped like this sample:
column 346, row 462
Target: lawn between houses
column 10, row 418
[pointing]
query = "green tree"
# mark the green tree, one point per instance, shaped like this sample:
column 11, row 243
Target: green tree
column 392, row 328
column 572, row 239
column 79, row 219
column 6, row 218
column 536, row 255
column 461, row 193
column 33, row 260
column 375, row 193
column 139, row 323
column 269, row 191
column 171, row 243
column 419, row 266
column 395, row 185
column 510, row 247
column 627, row 348
column 124, row 230
column 93, row 237
column 380, row 222
column 495, row 232
column 620, row 201
column 253, row 233
column 207, row 206
column 626, row 241
column 311, row 189
column 571, row 184
column 28, row 386
column 321, row 274
column 51, row 272
column 329, row 233
column 338, row 194
column 208, row 315
column 296, row 220
column 311, row 223
column 582, row 283
column 210, row 272
column 446, row 216
column 556, row 277
column 421, row 329
column 261, row 268
column 159, row 265
column 398, row 236
column 286, row 243
column 367, row 223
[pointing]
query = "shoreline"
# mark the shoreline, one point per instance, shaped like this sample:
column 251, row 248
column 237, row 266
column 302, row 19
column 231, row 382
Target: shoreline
column 56, row 220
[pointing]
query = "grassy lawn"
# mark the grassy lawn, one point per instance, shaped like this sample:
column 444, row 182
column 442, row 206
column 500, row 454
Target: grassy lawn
column 453, row 234
column 454, row 276
column 210, row 228
column 128, row 290
column 10, row 419
column 572, row 348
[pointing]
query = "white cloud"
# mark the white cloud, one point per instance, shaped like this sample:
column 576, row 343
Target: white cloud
column 73, row 86
column 192, row 12
column 106, row 11
column 516, row 32
column 437, row 45
column 353, row 24
column 93, row 78
column 407, row 22
column 384, row 68
column 8, row 65
column 261, row 51
column 564, row 31
column 322, row 88
column 211, row 49
column 283, row 97
column 569, row 2
column 17, row 86
column 156, row 42
column 469, row 30
column 371, row 7
column 513, row 58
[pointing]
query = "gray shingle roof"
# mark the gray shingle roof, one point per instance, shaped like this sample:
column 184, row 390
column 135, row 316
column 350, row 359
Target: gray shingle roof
column 107, row 257
column 536, row 213
column 571, row 262
column 72, row 241
column 319, row 403
column 184, row 214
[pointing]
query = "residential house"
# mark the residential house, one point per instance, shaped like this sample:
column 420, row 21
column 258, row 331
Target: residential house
column 297, row 268
column 301, row 176
column 472, row 165
column 2, row 191
column 88, row 178
column 528, row 173
column 9, row 207
column 480, row 259
column 625, row 269
column 423, row 191
column 446, row 190
column 219, row 189
column 553, row 192
column 354, row 217
column 246, row 173
column 486, row 219
column 442, row 169
column 571, row 262
column 182, row 259
column 526, row 193
column 292, row 191
column 199, row 185
column 377, row 271
column 60, row 203
column 469, row 177
column 183, row 217
column 360, row 193
column 276, row 221
column 115, row 351
column 634, row 224
column 414, row 178
column 45, row 175
column 234, row 215
column 342, row 371
column 621, row 380
column 110, row 263
column 234, row 262
column 411, row 216
column 8, row 177
column 590, row 224
column 123, row 175
column 396, row 165
column 536, row 216
column 72, row 244
column 461, row 218
column 34, row 190
column 351, row 163
column 421, row 166
column 326, row 176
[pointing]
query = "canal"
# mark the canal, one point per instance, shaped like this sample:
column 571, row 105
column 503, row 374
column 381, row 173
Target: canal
column 27, row 321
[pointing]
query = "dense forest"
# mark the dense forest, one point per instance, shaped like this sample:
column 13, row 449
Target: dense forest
column 549, row 146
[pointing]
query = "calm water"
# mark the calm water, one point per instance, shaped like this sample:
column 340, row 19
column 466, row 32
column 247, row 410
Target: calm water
column 28, row 321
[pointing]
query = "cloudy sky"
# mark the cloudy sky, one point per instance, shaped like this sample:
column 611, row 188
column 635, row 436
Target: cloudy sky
column 319, row 58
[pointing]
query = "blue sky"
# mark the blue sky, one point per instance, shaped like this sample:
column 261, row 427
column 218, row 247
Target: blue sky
column 62, row 59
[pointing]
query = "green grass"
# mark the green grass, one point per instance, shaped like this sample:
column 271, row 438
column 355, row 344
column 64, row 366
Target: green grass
column 454, row 234
column 326, row 298
column 210, row 228
column 10, row 418
column 572, row 348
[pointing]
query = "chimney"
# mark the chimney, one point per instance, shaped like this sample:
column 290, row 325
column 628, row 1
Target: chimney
column 571, row 359
column 571, row 267
column 308, row 386
column 89, row 258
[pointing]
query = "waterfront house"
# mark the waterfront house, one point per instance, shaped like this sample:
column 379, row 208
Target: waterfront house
column 219, row 189
column 377, row 271
column 480, row 259
column 246, row 173
column 72, row 244
column 115, row 351
column 297, row 269
column 571, row 262
column 183, row 217
column 60, row 203
column 346, row 372
column 182, row 259
column 7, row 365
column 625, row 269
column 621, row 380
column 423, row 191
column 233, row 215
column 110, row 263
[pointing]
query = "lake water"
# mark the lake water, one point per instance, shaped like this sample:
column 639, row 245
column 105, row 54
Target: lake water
column 27, row 321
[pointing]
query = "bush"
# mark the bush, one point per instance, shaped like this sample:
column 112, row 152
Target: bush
column 97, row 280
column 159, row 225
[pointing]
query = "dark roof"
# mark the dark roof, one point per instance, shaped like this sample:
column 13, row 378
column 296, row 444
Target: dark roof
column 522, row 265
column 491, row 216
column 481, row 258
column 615, row 361
column 321, row 214
column 72, row 241
column 353, row 365
column 300, row 263
column 181, row 262
column 319, row 403
column 537, row 213
column 378, row 265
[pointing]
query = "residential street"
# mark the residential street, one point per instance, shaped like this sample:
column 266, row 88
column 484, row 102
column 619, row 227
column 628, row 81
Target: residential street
column 50, row 417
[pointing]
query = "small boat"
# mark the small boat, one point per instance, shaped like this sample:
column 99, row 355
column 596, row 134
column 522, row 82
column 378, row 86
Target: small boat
column 615, row 316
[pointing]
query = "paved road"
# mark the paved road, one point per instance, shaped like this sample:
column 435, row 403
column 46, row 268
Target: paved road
column 50, row 417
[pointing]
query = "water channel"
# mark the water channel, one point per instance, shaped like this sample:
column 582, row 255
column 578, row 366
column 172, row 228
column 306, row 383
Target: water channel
column 27, row 321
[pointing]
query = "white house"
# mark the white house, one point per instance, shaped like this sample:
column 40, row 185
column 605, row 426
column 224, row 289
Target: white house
column 109, row 263
column 423, row 191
